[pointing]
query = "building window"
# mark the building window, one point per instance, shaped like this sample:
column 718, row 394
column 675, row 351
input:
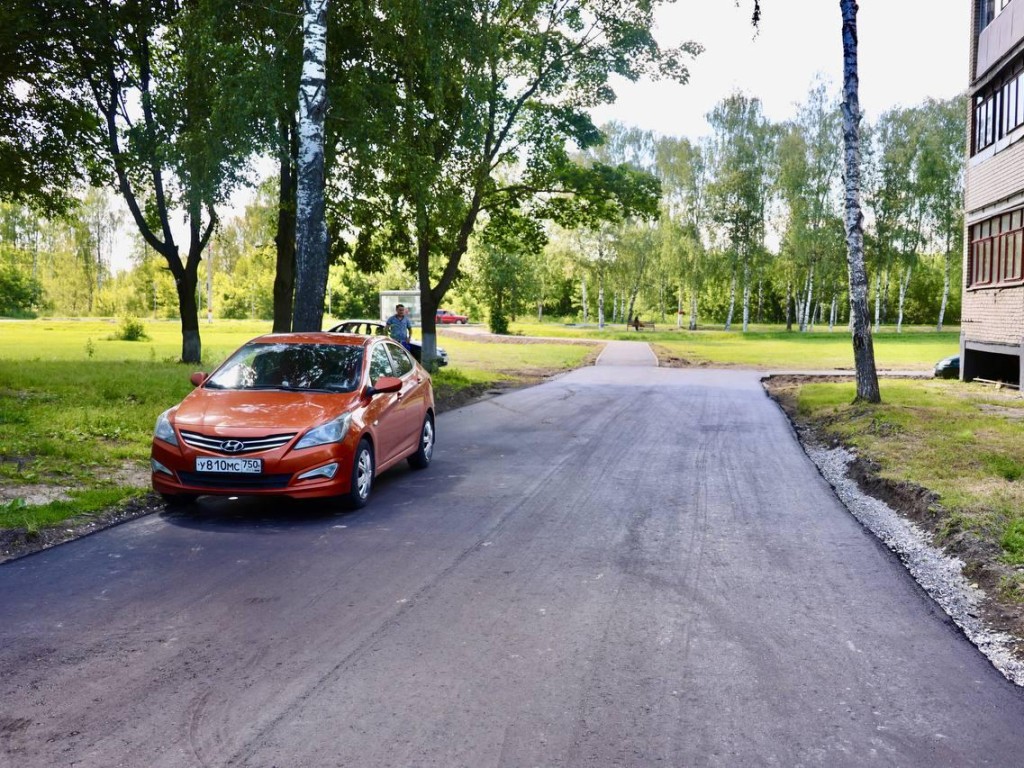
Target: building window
column 990, row 9
column 999, row 107
column 995, row 256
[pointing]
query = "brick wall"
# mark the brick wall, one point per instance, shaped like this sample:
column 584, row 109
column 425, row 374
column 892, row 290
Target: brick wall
column 997, row 178
column 994, row 315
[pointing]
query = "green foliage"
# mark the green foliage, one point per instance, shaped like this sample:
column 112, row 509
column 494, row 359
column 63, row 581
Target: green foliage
column 131, row 329
column 20, row 294
column 45, row 119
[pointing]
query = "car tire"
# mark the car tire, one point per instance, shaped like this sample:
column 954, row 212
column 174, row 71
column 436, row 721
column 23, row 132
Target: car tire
column 179, row 499
column 425, row 451
column 361, row 481
column 464, row 321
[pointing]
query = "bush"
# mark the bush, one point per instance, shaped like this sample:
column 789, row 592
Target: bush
column 131, row 329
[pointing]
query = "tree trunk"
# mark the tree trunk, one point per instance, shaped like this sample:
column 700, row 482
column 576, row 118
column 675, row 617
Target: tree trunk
column 885, row 295
column 789, row 305
column 746, row 297
column 310, row 221
column 878, row 300
column 600, row 301
column 428, row 306
column 693, row 311
column 732, row 300
column 832, row 314
column 863, row 345
column 583, row 287
column 945, row 290
column 808, row 305
column 679, row 308
column 760, row 300
column 904, row 282
column 284, row 239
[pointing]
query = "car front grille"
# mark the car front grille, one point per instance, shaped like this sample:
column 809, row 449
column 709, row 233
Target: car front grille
column 234, row 446
column 233, row 481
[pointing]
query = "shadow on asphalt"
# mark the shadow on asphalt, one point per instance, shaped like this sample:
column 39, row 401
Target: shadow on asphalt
column 277, row 514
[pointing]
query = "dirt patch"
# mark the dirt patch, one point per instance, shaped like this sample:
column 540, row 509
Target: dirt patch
column 667, row 358
column 982, row 558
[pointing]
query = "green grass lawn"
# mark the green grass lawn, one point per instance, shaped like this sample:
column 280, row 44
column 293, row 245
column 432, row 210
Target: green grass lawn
column 772, row 348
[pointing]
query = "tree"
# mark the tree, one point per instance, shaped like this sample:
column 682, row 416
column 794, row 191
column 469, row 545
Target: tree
column 863, row 345
column 739, row 193
column 20, row 293
column 176, row 105
column 46, row 122
column 808, row 164
column 683, row 168
column 941, row 182
column 486, row 96
column 310, row 216
column 506, row 266
column 897, row 201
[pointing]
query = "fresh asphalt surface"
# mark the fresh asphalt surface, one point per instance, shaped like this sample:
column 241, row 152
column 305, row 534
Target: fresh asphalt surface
column 625, row 566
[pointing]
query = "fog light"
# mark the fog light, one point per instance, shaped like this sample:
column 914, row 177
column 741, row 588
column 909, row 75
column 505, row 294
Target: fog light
column 158, row 467
column 328, row 471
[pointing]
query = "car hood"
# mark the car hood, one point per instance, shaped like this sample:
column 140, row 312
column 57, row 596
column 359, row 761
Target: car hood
column 222, row 411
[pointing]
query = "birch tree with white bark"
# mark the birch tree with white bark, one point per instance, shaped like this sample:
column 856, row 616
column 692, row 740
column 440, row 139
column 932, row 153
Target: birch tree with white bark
column 310, row 207
column 863, row 344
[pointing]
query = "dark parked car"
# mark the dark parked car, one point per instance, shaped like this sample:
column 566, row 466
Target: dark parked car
column 948, row 368
column 377, row 328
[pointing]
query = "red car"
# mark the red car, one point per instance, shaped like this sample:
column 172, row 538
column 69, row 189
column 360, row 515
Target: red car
column 303, row 415
column 447, row 317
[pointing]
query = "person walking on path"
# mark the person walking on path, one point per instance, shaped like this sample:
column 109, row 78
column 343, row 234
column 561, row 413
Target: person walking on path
column 400, row 327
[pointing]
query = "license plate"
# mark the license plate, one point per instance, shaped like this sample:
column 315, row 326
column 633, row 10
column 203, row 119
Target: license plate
column 231, row 466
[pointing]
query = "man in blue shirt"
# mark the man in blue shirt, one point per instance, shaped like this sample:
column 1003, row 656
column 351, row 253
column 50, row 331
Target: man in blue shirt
column 399, row 326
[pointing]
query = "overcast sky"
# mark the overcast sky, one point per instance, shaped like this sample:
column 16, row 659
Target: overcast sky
column 909, row 50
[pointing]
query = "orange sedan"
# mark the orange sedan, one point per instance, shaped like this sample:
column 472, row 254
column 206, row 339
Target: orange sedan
column 303, row 415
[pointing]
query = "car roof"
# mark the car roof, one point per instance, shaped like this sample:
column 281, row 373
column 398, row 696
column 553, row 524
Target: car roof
column 319, row 337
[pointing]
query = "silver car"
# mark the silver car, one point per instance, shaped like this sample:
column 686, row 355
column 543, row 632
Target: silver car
column 377, row 328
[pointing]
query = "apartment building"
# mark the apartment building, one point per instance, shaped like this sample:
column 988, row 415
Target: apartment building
column 992, row 335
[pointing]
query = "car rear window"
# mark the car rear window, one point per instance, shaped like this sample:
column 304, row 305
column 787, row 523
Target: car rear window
column 319, row 367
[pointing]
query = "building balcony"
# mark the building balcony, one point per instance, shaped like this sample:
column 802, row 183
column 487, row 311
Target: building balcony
column 999, row 38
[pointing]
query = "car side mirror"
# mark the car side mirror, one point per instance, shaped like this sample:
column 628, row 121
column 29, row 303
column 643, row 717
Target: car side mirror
column 384, row 384
column 198, row 378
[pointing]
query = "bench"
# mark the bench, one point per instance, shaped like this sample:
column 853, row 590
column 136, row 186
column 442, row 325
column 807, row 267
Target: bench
column 639, row 325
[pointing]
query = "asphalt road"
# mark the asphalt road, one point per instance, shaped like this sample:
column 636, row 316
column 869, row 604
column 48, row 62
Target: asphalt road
column 625, row 566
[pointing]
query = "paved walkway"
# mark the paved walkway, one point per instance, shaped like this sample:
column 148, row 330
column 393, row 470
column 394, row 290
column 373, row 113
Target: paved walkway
column 636, row 353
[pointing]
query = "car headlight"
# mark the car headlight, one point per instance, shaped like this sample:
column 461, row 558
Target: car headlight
column 164, row 431
column 331, row 432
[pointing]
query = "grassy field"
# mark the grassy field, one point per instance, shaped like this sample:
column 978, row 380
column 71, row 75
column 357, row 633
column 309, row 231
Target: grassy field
column 769, row 348
column 77, row 406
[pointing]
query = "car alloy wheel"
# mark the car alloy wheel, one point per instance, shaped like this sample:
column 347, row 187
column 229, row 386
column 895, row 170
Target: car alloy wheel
column 425, row 452
column 362, row 475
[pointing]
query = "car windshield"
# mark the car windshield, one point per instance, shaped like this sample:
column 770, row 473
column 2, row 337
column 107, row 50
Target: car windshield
column 304, row 367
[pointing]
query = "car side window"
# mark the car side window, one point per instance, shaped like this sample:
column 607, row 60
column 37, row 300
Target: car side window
column 403, row 363
column 380, row 364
